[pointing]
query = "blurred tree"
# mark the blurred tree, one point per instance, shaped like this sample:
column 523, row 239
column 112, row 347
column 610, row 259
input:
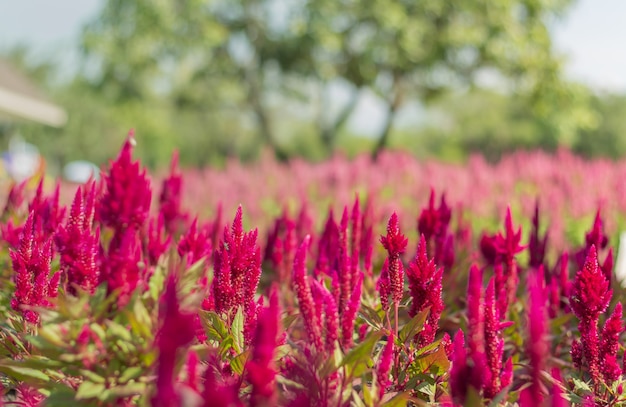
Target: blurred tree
column 246, row 54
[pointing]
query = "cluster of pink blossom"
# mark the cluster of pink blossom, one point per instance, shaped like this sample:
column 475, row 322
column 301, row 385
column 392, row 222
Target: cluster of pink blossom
column 311, row 310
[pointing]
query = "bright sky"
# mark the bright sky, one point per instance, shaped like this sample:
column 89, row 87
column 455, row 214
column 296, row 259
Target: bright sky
column 592, row 36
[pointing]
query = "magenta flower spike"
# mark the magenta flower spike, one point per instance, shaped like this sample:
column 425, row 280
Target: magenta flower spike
column 383, row 368
column 120, row 269
column 589, row 298
column 326, row 301
column 348, row 316
column 126, row 201
column 536, row 342
column 15, row 199
column 460, row 372
column 494, row 345
column 280, row 247
column 31, row 264
column 170, row 198
column 609, row 345
column 158, row 240
column 558, row 397
column 194, row 244
column 432, row 221
column 426, row 291
column 537, row 245
column 261, row 368
column 237, row 272
column 344, row 266
column 507, row 246
column 395, row 244
column 476, row 315
column 79, row 247
column 218, row 394
column 327, row 247
column 176, row 332
column 48, row 213
column 367, row 237
column 302, row 288
column 383, row 285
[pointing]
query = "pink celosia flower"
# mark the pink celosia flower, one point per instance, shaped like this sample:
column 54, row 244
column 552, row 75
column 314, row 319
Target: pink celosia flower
column 433, row 221
column 158, row 240
column 348, row 316
column 383, row 367
column 49, row 213
column 194, row 244
column 14, row 199
column 325, row 300
column 79, row 246
column 383, row 287
column 497, row 376
column 218, row 394
column 558, row 397
column 536, row 343
column 590, row 296
column 507, row 246
column 126, row 201
column 31, row 264
column 307, row 305
column 367, row 236
column 281, row 245
column 476, row 314
column 120, row 268
column 261, row 369
column 395, row 244
column 460, row 373
column 537, row 245
column 609, row 345
column 170, row 198
column 237, row 273
column 328, row 245
column 425, row 289
column 176, row 332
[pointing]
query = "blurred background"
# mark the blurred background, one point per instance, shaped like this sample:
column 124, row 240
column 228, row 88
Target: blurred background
column 220, row 79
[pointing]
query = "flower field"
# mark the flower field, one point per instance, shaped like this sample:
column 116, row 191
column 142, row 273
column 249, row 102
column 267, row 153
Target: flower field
column 343, row 283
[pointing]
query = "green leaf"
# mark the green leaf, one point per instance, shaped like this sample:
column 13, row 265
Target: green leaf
column 61, row 396
column 399, row 400
column 214, row 327
column 436, row 362
column 49, row 334
column 23, row 374
column 157, row 282
column 580, row 385
column 237, row 330
column 356, row 400
column 367, row 395
column 118, row 331
column 289, row 383
column 127, row 390
column 138, row 327
column 495, row 402
column 238, row 363
column 130, row 374
column 370, row 316
column 414, row 326
column 472, row 399
column 92, row 376
column 361, row 355
column 88, row 390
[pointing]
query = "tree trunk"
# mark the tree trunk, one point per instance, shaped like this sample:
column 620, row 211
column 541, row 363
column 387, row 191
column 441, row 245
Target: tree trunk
column 328, row 134
column 393, row 105
column 265, row 128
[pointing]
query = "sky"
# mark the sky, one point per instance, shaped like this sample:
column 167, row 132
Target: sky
column 591, row 36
